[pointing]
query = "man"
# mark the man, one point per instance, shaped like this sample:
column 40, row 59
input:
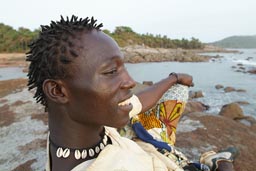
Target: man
column 80, row 78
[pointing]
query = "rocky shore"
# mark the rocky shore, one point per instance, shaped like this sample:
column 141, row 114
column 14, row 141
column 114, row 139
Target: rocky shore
column 136, row 54
column 23, row 123
column 23, row 132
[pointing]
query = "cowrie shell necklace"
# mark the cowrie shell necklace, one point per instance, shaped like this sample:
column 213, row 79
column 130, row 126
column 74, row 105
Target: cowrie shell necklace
column 84, row 154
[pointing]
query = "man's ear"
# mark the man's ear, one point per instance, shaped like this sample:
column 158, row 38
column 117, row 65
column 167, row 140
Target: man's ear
column 55, row 90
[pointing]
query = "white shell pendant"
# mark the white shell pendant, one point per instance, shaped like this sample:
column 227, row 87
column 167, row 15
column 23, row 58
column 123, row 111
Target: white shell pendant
column 97, row 149
column 105, row 139
column 77, row 154
column 84, row 154
column 91, row 152
column 59, row 152
column 66, row 153
column 101, row 146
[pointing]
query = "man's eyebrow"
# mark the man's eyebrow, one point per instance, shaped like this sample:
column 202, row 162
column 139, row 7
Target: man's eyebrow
column 111, row 61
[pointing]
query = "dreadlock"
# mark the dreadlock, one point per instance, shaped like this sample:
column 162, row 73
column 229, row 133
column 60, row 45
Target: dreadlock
column 54, row 50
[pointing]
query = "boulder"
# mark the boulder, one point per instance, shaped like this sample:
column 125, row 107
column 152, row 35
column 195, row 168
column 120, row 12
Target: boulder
column 147, row 83
column 229, row 89
column 241, row 90
column 247, row 120
column 252, row 71
column 194, row 106
column 195, row 94
column 219, row 86
column 217, row 133
column 242, row 102
column 232, row 110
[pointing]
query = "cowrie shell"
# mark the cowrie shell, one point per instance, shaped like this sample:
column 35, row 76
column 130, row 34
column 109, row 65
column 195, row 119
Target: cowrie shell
column 59, row 152
column 105, row 140
column 101, row 146
column 77, row 154
column 66, row 153
column 91, row 152
column 97, row 149
column 84, row 154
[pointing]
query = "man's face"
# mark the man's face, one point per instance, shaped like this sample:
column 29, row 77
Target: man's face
column 100, row 83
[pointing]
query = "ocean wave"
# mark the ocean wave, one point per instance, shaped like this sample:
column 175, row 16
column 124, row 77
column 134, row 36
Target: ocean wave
column 245, row 62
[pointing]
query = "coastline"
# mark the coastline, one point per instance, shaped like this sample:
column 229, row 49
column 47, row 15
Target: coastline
column 134, row 54
column 25, row 120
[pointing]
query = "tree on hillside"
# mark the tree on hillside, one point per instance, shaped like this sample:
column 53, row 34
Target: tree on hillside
column 15, row 40
column 12, row 40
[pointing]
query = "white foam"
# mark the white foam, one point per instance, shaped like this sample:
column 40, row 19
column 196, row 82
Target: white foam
column 245, row 62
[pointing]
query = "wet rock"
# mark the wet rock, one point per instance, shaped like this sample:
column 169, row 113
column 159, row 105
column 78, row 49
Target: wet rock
column 242, row 68
column 219, row 86
column 195, row 94
column 7, row 116
column 241, row 90
column 10, row 86
column 229, row 89
column 232, row 111
column 149, row 83
column 249, row 58
column 217, row 133
column 247, row 120
column 252, row 71
column 138, row 87
column 25, row 166
column 194, row 106
column 242, row 102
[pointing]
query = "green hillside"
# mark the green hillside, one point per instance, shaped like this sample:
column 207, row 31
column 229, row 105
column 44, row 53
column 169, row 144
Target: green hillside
column 12, row 40
column 237, row 42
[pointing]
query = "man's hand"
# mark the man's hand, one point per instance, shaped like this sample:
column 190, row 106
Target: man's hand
column 185, row 79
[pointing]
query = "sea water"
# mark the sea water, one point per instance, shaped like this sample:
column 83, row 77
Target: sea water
column 208, row 74
column 8, row 73
column 205, row 75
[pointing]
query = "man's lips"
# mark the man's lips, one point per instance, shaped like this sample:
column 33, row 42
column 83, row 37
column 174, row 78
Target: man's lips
column 125, row 102
column 132, row 104
column 126, row 105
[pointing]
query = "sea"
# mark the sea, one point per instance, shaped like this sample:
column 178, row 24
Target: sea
column 226, row 70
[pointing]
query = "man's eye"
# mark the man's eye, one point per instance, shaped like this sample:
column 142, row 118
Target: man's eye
column 112, row 71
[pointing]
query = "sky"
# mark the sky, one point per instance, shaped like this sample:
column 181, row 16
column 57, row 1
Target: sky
column 206, row 20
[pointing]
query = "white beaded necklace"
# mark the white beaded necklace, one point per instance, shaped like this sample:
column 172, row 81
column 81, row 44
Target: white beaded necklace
column 86, row 153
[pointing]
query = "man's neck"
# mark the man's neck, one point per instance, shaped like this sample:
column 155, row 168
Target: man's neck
column 71, row 134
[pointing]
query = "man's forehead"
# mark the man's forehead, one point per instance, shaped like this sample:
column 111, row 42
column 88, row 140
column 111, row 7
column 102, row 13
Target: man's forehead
column 98, row 43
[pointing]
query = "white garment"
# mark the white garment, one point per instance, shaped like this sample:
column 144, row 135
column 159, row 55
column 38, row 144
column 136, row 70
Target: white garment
column 126, row 155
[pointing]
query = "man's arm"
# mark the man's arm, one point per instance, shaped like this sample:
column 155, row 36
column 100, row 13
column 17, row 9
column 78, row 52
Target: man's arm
column 150, row 95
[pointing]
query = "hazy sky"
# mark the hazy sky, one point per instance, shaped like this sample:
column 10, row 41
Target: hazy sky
column 207, row 20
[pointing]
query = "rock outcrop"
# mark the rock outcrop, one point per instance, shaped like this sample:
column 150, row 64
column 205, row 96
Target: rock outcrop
column 232, row 111
column 136, row 54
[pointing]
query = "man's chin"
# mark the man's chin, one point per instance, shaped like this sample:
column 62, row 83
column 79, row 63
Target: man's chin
column 121, row 124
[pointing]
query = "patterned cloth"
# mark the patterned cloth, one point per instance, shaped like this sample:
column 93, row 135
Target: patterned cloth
column 158, row 126
column 161, row 121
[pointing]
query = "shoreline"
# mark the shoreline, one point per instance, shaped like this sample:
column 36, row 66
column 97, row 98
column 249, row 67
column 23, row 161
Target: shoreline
column 134, row 54
column 198, row 131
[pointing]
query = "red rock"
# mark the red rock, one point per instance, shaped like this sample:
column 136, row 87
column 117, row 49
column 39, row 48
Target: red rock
column 194, row 106
column 232, row 110
column 229, row 89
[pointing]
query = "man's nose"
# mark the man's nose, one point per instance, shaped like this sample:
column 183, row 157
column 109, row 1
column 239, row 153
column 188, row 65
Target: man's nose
column 128, row 82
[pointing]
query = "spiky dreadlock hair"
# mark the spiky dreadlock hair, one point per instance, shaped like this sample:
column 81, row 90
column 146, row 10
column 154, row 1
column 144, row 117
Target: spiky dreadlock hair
column 54, row 50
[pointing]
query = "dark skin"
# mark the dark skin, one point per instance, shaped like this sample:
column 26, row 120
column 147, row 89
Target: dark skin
column 79, row 107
